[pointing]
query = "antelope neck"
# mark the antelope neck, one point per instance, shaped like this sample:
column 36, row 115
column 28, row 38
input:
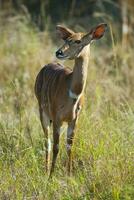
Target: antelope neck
column 79, row 75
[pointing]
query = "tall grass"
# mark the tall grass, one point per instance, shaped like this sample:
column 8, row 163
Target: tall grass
column 103, row 148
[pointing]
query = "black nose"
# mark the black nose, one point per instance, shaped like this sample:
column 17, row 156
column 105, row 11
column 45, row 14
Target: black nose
column 59, row 52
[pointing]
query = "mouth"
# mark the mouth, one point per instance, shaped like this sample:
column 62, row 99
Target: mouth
column 62, row 57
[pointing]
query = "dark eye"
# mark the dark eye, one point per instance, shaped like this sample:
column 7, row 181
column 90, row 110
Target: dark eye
column 77, row 41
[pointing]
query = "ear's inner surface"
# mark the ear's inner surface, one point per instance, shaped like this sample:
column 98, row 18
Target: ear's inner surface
column 99, row 31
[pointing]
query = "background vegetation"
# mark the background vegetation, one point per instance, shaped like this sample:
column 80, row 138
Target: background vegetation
column 103, row 152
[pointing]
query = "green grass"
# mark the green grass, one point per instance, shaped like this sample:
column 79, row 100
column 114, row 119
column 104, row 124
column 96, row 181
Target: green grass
column 103, row 147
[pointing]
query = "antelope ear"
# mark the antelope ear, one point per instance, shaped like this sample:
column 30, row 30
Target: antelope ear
column 63, row 32
column 98, row 31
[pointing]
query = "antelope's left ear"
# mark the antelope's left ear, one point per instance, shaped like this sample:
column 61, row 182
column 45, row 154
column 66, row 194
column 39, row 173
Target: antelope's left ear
column 98, row 31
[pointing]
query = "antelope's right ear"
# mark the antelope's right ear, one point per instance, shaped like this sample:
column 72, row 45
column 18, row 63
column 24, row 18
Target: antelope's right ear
column 63, row 32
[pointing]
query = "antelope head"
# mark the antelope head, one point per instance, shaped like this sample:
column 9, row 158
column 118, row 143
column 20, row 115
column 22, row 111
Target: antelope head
column 75, row 42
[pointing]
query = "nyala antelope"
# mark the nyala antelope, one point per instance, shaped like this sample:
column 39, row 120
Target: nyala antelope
column 59, row 90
